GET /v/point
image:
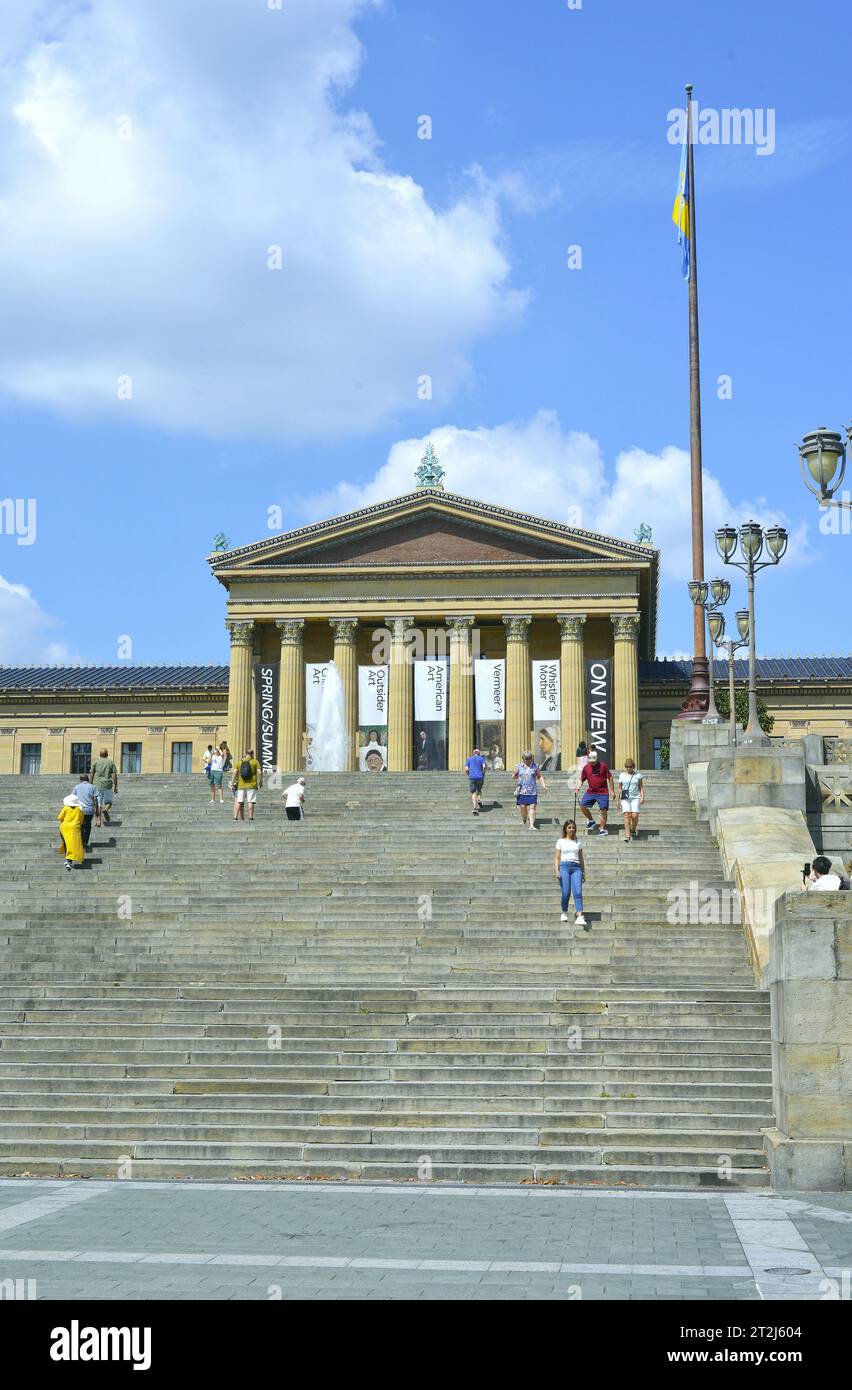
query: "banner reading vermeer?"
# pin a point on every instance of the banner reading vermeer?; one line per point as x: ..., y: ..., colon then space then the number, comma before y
x: 547, y: 732
x: 599, y: 708
x: 489, y: 678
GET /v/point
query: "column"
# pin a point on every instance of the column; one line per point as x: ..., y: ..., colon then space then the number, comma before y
x: 239, y: 687
x: 572, y: 684
x: 518, y: 687
x: 291, y: 695
x: 461, y: 691
x: 345, y: 631
x: 400, y: 697
x: 626, y: 687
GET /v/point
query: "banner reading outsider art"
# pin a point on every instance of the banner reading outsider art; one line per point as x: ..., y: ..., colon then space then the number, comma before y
x: 373, y: 718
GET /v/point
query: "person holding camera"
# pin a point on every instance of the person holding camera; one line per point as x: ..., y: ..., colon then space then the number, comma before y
x: 818, y: 877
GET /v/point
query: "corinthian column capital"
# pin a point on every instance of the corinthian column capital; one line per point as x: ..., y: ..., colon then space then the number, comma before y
x: 517, y: 627
x: 290, y: 631
x: 399, y: 627
x: 571, y: 626
x: 241, y: 630
x: 625, y: 627
x: 344, y: 630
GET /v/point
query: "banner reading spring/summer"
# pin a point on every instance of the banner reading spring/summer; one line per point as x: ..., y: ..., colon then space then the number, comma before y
x: 266, y: 691
x: 489, y: 678
x: 599, y: 708
x: 315, y: 674
x: 373, y: 718
x: 547, y: 715
x: 431, y: 690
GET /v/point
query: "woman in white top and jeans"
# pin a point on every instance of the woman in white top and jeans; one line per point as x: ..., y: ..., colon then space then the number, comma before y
x: 571, y: 871
x: 632, y: 790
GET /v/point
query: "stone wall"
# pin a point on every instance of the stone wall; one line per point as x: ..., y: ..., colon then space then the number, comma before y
x: 810, y: 982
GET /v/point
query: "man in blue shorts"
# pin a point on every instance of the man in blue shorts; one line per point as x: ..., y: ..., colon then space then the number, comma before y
x: 475, y: 769
x: 599, y: 789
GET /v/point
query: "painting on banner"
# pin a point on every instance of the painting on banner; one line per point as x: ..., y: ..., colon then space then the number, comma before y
x: 431, y: 691
x: 547, y: 715
x: 315, y: 674
x: 373, y: 718
x: 489, y: 679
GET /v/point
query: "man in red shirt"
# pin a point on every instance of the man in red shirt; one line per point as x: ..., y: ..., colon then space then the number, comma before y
x: 598, y: 778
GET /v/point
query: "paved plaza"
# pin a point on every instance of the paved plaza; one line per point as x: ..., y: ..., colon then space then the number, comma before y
x: 132, y: 1240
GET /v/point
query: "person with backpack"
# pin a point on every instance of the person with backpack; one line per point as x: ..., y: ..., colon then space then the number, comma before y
x: 248, y: 776
x: 631, y: 788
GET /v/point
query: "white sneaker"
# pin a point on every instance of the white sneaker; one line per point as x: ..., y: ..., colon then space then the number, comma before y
x: 580, y: 921
x: 564, y: 917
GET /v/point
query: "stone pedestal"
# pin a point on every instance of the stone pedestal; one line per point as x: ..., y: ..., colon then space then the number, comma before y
x: 691, y: 741
x: 810, y: 984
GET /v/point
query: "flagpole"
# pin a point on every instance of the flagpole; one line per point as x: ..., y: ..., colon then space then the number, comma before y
x: 695, y: 705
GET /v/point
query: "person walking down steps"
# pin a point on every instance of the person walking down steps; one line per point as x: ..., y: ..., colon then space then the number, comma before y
x: 570, y: 869
x: 528, y: 775
x: 71, y: 829
x: 632, y: 790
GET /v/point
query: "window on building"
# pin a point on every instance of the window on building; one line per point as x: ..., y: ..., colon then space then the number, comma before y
x: 181, y: 757
x: 81, y: 757
x: 661, y: 754
x: 131, y: 757
x: 31, y: 759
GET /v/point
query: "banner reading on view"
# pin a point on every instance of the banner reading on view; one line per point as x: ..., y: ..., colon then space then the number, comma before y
x: 599, y: 708
x: 489, y: 679
x: 315, y: 674
x: 373, y: 718
x: 266, y: 691
x: 547, y: 739
x: 431, y: 684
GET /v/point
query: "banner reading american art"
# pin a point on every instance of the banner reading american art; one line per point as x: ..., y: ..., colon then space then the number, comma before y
x: 546, y: 712
x: 373, y: 718
x: 431, y: 684
x: 489, y: 678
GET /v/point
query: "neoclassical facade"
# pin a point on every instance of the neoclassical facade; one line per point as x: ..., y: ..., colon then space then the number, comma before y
x: 431, y: 569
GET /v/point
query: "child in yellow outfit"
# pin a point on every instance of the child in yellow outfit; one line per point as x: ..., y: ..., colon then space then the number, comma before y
x: 71, y: 830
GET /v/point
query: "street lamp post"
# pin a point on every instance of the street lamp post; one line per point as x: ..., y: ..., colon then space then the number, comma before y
x: 821, y: 454
x: 720, y: 592
x: 752, y: 539
x: 716, y: 621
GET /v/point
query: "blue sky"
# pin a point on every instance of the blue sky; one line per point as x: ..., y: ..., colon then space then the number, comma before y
x: 152, y: 153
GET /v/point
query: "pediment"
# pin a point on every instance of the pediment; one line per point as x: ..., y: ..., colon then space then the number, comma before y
x: 428, y: 528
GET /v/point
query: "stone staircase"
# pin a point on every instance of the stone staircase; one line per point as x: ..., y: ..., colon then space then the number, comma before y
x: 383, y: 992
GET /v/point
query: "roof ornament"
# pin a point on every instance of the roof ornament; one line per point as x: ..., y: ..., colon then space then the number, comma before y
x: 220, y: 541
x: 430, y: 473
x: 644, y: 535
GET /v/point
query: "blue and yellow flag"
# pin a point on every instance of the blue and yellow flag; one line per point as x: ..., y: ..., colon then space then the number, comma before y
x: 680, y: 212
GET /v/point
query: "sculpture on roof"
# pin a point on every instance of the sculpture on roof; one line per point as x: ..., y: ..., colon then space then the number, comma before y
x: 430, y: 473
x: 643, y: 533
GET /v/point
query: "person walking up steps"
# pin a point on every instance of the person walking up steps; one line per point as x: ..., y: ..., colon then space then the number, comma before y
x: 294, y: 800
x: 215, y: 773
x: 71, y: 829
x: 104, y: 775
x: 248, y: 776
x: 475, y: 769
x: 598, y: 779
x: 570, y: 869
x: 85, y: 794
x: 632, y: 789
x: 528, y: 775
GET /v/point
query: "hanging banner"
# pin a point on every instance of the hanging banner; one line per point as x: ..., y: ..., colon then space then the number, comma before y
x: 266, y: 692
x: 373, y: 718
x: 431, y: 687
x: 315, y: 674
x: 599, y: 708
x: 547, y: 730
x: 489, y: 679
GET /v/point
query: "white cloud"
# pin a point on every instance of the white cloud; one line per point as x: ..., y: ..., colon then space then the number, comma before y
x: 536, y: 466
x: 26, y: 631
x: 147, y: 255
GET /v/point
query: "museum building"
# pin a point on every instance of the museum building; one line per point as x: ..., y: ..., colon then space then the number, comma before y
x: 449, y: 621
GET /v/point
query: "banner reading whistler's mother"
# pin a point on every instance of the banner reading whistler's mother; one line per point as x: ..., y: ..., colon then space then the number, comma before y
x: 547, y: 731
x: 599, y: 708
x: 489, y: 679
x: 266, y: 691
x: 431, y: 685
